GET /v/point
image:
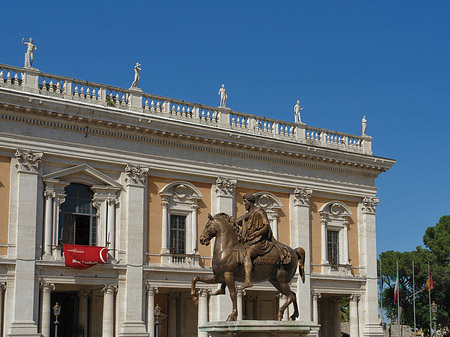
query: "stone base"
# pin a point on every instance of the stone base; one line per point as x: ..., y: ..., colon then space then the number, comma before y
x: 260, y: 328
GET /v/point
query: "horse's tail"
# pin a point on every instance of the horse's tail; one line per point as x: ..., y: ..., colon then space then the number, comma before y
x: 301, y: 262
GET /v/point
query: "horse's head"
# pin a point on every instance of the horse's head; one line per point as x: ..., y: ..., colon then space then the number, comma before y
x: 209, y: 231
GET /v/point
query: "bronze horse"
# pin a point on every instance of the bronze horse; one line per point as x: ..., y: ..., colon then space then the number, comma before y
x: 227, y: 269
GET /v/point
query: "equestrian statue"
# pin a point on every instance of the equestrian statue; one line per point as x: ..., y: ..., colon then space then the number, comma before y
x: 246, y: 250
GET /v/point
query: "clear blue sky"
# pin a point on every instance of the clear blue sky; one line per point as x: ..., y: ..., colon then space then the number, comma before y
x: 388, y: 60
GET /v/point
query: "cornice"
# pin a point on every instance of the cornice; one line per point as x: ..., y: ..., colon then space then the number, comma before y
x: 111, y: 122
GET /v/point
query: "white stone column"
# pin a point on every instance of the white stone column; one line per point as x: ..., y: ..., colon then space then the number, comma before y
x: 275, y: 226
x: 223, y: 201
x: 83, y: 310
x: 354, y: 329
x: 25, y: 309
x: 108, y: 310
x: 369, y: 261
x: 46, y: 309
x: 151, y: 292
x: 111, y: 224
x: 165, y: 224
x: 2, y: 292
x: 172, y: 315
x: 99, y: 201
x: 345, y: 257
x: 194, y: 228
x: 323, y: 234
x: 316, y: 297
x: 135, y: 219
x: 240, y: 294
x: 203, y: 309
x: 49, y: 194
x: 301, y: 237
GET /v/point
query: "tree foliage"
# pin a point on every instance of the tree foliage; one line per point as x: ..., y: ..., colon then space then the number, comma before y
x: 437, y: 253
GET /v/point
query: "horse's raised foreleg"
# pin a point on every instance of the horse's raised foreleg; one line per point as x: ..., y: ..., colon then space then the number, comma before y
x: 229, y: 280
x: 206, y: 279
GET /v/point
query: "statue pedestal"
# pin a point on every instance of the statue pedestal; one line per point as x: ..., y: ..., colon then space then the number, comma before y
x: 252, y: 328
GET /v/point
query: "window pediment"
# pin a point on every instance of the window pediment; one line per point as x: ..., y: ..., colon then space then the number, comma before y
x: 181, y: 192
x: 83, y: 174
x: 335, y: 210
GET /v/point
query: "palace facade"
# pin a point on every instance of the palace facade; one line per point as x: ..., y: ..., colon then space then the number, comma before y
x: 91, y: 164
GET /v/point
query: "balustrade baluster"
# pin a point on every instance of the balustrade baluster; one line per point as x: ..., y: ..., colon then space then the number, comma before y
x: 1, y: 76
x: 124, y: 99
x: 16, y: 79
x: 117, y: 98
x: 58, y: 87
x: 88, y: 93
x: 82, y: 91
x: 8, y: 77
x: 158, y: 106
x: 76, y: 94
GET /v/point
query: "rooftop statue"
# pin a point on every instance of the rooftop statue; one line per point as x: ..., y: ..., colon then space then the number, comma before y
x: 297, y: 110
x: 245, y: 250
x: 31, y: 48
x: 137, y: 75
x: 223, y: 96
x: 364, y: 125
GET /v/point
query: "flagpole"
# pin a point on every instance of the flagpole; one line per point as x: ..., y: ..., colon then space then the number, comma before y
x: 429, y: 296
x: 398, y: 302
x: 414, y: 300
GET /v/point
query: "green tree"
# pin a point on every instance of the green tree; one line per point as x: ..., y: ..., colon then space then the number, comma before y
x: 437, y: 253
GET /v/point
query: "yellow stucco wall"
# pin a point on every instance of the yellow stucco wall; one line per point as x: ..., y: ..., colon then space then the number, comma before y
x: 155, y: 184
x: 316, y: 241
x: 5, y: 163
x: 283, y: 213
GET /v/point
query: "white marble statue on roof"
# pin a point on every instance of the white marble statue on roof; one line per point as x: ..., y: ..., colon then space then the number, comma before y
x: 137, y: 75
x: 364, y: 125
x: 297, y: 110
x: 31, y: 48
x: 223, y: 96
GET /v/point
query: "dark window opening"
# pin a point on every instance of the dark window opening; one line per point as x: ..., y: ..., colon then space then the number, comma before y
x: 333, y: 248
x: 78, y: 220
x: 177, y: 234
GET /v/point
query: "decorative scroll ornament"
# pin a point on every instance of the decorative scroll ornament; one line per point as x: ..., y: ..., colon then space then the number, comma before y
x: 369, y: 205
x: 302, y: 196
x: 29, y: 161
x: 225, y: 186
x: 47, y: 287
x: 109, y: 289
x: 136, y: 174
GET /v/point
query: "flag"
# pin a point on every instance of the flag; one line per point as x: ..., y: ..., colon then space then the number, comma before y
x: 397, y: 288
x: 83, y: 257
x: 429, y: 284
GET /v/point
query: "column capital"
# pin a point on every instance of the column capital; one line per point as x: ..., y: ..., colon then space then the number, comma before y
x: 151, y: 290
x: 240, y: 292
x: 369, y: 205
x: 136, y: 175
x: 28, y: 161
x: 225, y: 186
x: 84, y: 293
x: 204, y: 292
x: 316, y: 296
x: 49, y: 193
x: 2, y: 285
x: 109, y: 289
x: 302, y: 196
x: 355, y: 297
x: 112, y: 199
x: 47, y: 287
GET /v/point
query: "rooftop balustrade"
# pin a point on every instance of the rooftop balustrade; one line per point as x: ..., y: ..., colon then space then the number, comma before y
x: 134, y: 100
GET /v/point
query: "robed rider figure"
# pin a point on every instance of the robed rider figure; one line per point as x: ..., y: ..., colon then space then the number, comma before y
x: 257, y: 237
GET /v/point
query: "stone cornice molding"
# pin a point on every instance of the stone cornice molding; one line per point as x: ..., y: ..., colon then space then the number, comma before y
x: 225, y: 186
x: 136, y: 175
x: 28, y: 161
x: 302, y: 196
x: 369, y: 205
x: 140, y: 125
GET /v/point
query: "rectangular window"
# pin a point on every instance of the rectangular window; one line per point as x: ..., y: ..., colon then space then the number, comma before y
x: 333, y: 247
x: 177, y: 234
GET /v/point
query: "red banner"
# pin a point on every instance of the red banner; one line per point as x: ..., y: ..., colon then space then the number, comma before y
x: 83, y: 257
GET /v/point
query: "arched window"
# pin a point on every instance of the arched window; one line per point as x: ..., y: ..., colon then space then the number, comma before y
x: 334, y: 220
x: 179, y: 218
x: 78, y: 220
